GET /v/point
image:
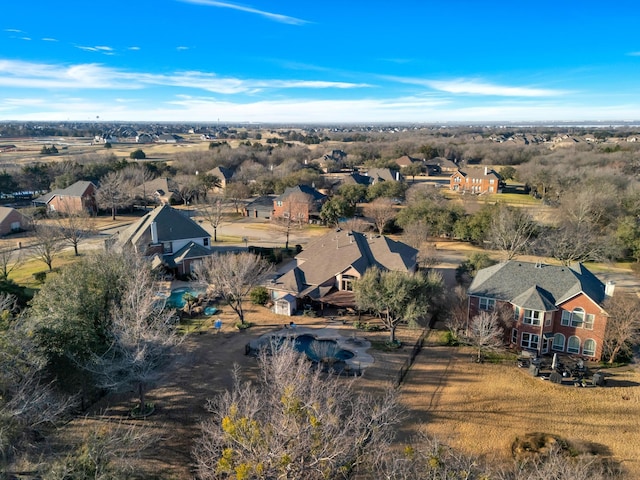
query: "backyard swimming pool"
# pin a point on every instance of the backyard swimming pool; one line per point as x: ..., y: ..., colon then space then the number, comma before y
x: 176, y: 298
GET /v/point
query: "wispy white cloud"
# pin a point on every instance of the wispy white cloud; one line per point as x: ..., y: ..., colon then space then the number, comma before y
x: 634, y: 54
x: 134, y: 48
x: 182, y: 47
x: 13, y: 30
x: 49, y: 39
x: 20, y: 74
x: 475, y: 87
x: 271, y: 16
x: 98, y: 48
x: 25, y: 38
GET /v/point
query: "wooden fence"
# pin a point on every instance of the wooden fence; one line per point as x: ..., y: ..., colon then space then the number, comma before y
x: 404, y: 369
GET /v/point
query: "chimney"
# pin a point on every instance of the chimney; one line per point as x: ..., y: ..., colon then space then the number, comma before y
x: 397, y: 176
x: 486, y: 171
x: 609, y: 288
x: 154, y: 233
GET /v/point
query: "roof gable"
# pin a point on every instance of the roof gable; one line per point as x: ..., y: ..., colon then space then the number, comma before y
x: 516, y: 281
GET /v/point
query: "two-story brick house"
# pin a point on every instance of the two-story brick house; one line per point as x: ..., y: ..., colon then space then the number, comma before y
x: 300, y: 203
x: 554, y: 308
x: 476, y: 180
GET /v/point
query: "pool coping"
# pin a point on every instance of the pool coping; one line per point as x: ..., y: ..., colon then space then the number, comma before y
x: 358, y: 346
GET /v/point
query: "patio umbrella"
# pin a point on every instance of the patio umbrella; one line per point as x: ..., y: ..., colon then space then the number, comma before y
x: 554, y: 363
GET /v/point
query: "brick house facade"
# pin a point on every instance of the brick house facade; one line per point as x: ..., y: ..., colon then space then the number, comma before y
x: 555, y: 309
x: 476, y: 180
x: 300, y: 204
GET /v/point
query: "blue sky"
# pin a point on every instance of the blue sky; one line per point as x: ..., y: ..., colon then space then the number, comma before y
x: 329, y: 61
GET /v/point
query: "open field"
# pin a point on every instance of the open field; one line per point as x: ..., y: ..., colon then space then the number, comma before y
x: 482, y: 408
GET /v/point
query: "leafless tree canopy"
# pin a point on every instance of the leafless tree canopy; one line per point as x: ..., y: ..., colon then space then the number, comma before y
x: 295, y: 422
x: 232, y: 276
x: 511, y: 230
x: 381, y: 211
x: 623, y: 325
x: 142, y: 336
x: 486, y: 332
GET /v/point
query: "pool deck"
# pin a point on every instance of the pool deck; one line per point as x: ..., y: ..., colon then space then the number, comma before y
x: 358, y: 346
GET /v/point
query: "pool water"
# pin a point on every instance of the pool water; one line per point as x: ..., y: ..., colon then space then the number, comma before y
x: 317, y: 350
x: 176, y: 299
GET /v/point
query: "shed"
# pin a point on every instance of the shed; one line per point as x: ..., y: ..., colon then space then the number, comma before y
x: 285, y: 305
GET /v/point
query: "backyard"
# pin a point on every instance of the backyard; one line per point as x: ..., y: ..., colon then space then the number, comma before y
x: 478, y: 408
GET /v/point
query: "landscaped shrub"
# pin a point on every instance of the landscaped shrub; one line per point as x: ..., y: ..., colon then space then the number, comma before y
x: 259, y: 296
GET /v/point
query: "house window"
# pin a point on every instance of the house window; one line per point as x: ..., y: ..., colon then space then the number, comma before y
x: 205, y: 242
x: 285, y: 214
x: 516, y: 314
x: 490, y: 189
x: 486, y: 303
x: 558, y: 342
x: 278, y: 203
x: 167, y: 247
x: 566, y: 318
x: 588, y: 322
x: 573, y: 345
x: 514, y: 336
x: 347, y: 283
x: 492, y: 181
x: 532, y: 317
x: 577, y: 317
x: 548, y: 316
x: 529, y: 341
x: 589, y: 348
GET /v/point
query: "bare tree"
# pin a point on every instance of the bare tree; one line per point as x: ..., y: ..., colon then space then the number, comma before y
x: 295, y: 213
x: 623, y: 325
x: 294, y: 422
x: 236, y: 192
x: 212, y: 208
x: 136, y: 177
x: 142, y: 337
x: 108, y: 450
x: 188, y: 187
x: 114, y: 191
x: 10, y: 260
x: 48, y: 243
x: 511, y: 230
x: 74, y: 226
x: 232, y: 276
x: 458, y: 315
x: 381, y: 211
x: 486, y: 332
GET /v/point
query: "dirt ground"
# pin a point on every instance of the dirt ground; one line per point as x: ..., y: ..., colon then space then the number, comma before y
x: 203, y: 368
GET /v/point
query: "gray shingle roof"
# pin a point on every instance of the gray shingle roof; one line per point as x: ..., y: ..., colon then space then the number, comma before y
x: 171, y: 225
x: 537, y: 286
x: 305, y: 189
x: 78, y: 189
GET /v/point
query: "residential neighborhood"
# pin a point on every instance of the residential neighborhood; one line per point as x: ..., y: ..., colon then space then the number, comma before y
x: 162, y: 274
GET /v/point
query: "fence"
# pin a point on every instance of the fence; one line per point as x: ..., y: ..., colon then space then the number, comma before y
x: 404, y: 369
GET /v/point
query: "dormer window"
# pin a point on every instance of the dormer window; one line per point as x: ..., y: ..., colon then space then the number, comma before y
x: 205, y: 241
x: 532, y: 317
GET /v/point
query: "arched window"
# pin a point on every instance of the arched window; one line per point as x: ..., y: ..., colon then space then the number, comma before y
x: 558, y: 342
x: 573, y: 345
x: 589, y: 348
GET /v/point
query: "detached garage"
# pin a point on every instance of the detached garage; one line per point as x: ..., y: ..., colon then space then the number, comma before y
x: 285, y: 305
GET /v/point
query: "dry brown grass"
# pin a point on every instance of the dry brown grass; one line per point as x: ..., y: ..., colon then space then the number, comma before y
x: 483, y: 408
